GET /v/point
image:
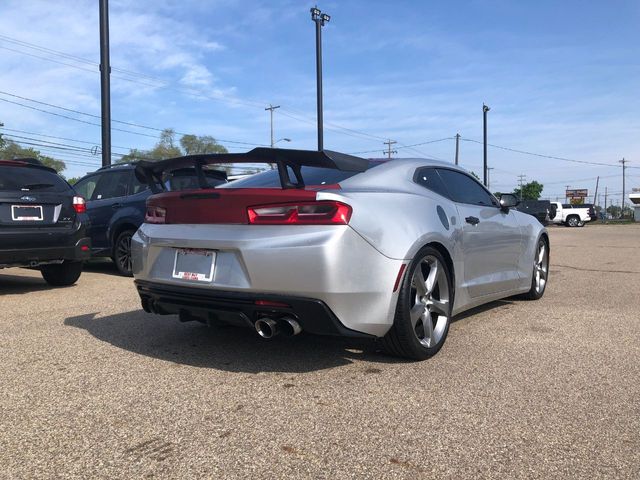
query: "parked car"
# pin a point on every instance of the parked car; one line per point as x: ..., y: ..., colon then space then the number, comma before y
x: 42, y: 222
x: 334, y: 244
x: 116, y: 203
x: 573, y: 215
x: 543, y: 210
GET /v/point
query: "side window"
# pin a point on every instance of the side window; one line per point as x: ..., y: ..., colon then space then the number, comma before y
x: 111, y: 185
x: 464, y: 189
x: 87, y: 186
x: 428, y: 177
x: 135, y: 186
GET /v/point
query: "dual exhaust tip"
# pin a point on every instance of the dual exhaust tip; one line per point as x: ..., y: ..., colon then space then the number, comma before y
x: 269, y: 327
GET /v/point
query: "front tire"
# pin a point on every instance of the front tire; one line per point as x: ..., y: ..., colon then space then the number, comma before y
x: 63, y: 274
x: 540, y: 271
x: 122, y: 253
x: 423, y: 313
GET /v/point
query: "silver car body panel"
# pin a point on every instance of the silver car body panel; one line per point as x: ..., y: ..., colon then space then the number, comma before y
x: 353, y: 268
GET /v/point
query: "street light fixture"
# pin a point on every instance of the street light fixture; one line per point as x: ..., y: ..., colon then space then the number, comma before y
x: 282, y: 140
x: 320, y: 19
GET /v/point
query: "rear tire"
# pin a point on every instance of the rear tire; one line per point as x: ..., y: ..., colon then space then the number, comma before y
x: 122, y: 253
x: 423, y: 312
x: 63, y: 274
x: 540, y: 271
x: 573, y: 221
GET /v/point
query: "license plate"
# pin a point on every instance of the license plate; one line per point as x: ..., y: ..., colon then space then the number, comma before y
x: 21, y: 213
x: 192, y: 264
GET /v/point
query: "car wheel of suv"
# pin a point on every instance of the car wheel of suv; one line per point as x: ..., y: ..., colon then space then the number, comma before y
x: 423, y: 312
x: 62, y: 274
x: 540, y: 271
x: 122, y: 253
x: 573, y: 221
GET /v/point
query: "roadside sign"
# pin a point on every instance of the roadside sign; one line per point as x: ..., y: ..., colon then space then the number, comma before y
x: 577, y: 193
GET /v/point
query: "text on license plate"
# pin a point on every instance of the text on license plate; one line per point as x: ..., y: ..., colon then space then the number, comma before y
x: 194, y: 264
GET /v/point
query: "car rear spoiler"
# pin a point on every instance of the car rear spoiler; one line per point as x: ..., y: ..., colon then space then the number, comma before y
x: 285, y: 159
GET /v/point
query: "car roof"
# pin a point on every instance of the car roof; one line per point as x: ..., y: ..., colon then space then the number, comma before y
x: 27, y: 163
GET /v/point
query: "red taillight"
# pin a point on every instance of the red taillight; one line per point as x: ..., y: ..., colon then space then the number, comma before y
x: 79, y: 205
x: 271, y: 303
x: 302, y: 213
x: 155, y: 215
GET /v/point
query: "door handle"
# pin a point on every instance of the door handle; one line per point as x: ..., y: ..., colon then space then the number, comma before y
x: 116, y: 206
x: 472, y: 220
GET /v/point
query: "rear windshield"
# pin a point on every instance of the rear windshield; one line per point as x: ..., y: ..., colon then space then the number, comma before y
x: 312, y: 176
x: 13, y: 178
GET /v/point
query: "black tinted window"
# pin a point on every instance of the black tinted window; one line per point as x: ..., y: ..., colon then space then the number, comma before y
x: 464, y: 189
x: 428, y: 177
x: 135, y: 186
x: 111, y: 185
x: 311, y: 175
x: 30, y: 179
x: 86, y: 186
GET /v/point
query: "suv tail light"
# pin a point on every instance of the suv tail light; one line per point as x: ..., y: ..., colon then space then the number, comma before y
x: 155, y: 215
x: 79, y: 205
x: 301, y: 213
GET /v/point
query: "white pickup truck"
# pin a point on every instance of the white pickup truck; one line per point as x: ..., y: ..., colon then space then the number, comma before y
x: 573, y: 215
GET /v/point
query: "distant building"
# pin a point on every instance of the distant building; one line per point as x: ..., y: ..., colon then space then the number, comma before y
x: 635, y: 199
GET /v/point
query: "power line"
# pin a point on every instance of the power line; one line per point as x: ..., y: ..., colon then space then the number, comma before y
x: 163, y: 83
x: 540, y: 155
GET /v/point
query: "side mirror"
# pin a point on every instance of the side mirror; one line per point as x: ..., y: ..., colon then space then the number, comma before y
x: 508, y: 200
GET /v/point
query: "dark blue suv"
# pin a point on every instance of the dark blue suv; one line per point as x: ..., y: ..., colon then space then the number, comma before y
x: 116, y: 204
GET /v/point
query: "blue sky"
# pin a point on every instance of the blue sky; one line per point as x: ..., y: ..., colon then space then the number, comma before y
x: 561, y: 78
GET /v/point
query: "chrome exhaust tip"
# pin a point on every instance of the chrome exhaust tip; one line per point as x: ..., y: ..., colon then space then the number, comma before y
x: 266, y: 327
x: 290, y: 326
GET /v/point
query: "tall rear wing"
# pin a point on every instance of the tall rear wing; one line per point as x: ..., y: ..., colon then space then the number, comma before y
x: 151, y: 172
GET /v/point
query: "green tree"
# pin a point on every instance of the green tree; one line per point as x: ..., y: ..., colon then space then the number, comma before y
x: 194, y: 145
x: 167, y: 148
x: 10, y: 150
x: 530, y: 191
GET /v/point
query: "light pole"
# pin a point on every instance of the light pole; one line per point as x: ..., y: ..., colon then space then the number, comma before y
x: 271, y: 108
x: 105, y: 85
x: 485, y: 109
x: 320, y: 19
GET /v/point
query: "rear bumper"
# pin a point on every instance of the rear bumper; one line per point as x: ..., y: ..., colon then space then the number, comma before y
x: 32, y: 257
x: 240, y: 308
x: 332, y: 265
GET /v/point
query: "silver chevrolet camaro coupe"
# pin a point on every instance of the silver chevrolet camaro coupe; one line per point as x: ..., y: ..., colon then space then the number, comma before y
x: 328, y: 243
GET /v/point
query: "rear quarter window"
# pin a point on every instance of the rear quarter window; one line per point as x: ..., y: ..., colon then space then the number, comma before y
x: 13, y: 178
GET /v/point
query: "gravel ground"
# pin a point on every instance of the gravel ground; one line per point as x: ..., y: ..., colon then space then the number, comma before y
x: 93, y: 387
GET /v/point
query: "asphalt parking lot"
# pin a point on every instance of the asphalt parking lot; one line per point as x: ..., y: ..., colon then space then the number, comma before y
x: 93, y: 387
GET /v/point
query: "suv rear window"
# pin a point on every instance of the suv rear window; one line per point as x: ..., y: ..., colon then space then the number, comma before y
x: 14, y: 178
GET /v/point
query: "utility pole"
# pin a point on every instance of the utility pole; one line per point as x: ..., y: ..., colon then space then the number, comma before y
x: 596, y: 194
x: 605, y: 203
x: 623, y: 162
x: 489, y: 177
x: 485, y: 109
x: 389, y: 151
x: 457, y: 146
x: 521, y: 179
x: 105, y: 85
x: 271, y: 108
x: 320, y: 19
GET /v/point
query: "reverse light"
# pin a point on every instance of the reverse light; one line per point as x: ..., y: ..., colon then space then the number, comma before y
x: 301, y: 213
x: 79, y: 205
x: 155, y: 215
